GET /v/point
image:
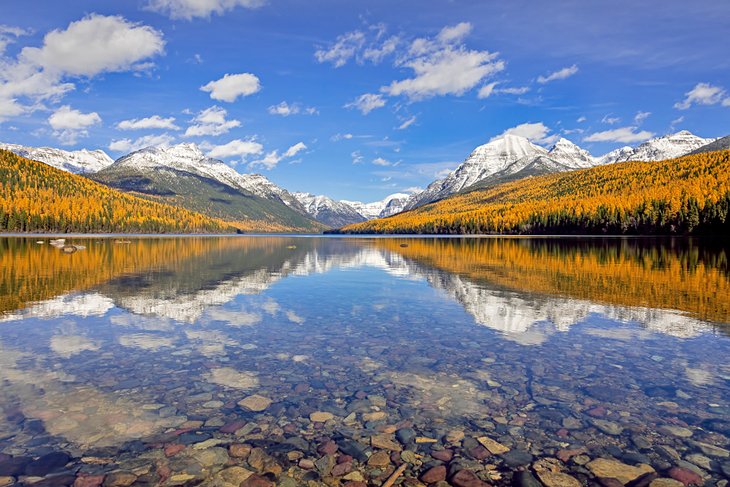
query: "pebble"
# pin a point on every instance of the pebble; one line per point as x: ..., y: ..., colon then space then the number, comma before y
x: 664, y: 482
x: 321, y: 417
x: 239, y: 450
x: 557, y: 479
x: 255, y: 403
x: 608, y: 427
x: 516, y: 458
x: 375, y: 416
x: 676, y: 431
x: 256, y: 481
x: 405, y: 435
x: 88, y: 480
x: 699, y: 460
x: 52, y: 462
x: 494, y: 447
x: 5, y: 481
x: 604, y: 467
x: 686, y: 476
x: 712, y: 450
x: 384, y: 442
x: 467, y: 478
x: 120, y: 479
x: 434, y: 474
x: 525, y: 479
x: 231, y: 476
x: 379, y: 459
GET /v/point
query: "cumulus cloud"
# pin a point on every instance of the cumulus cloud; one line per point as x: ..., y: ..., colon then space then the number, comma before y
x: 153, y: 122
x: 624, y: 134
x: 367, y: 103
x: 211, y: 121
x: 273, y: 158
x: 129, y: 145
x: 559, y: 74
x: 357, y: 157
x: 538, y: 133
x: 236, y: 148
x: 190, y: 9
x: 443, y: 66
x: 88, y: 47
x: 69, y: 124
x: 703, y: 94
x: 284, y: 109
x: 232, y: 86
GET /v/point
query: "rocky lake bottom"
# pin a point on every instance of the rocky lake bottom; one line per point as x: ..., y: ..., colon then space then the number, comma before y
x: 263, y: 361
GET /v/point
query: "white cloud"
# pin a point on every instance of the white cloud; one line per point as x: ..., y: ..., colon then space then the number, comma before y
x: 487, y: 90
x: 610, y: 120
x: 367, y: 103
x: 677, y: 121
x: 443, y: 66
x: 534, y: 132
x: 8, y: 35
x: 640, y: 117
x: 129, y: 145
x: 69, y: 124
x: 231, y: 86
x: 514, y: 90
x: 407, y: 123
x: 284, y: 109
x: 703, y: 94
x: 236, y: 148
x: 412, y: 189
x: 211, y: 121
x: 153, y: 122
x: 189, y: 9
x: 376, y: 54
x: 379, y: 161
x: 581, y: 119
x: 342, y: 50
x: 295, y: 149
x: 88, y: 47
x: 338, y: 137
x: 624, y: 134
x: 559, y: 74
x: 273, y: 158
x: 96, y: 44
x: 357, y: 157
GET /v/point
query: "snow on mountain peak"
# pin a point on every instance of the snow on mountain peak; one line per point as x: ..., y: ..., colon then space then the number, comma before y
x: 78, y: 162
x: 569, y: 154
x: 659, y: 148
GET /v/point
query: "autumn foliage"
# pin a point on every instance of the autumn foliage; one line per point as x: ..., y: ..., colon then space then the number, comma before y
x: 35, y: 197
x: 669, y: 274
x: 687, y: 195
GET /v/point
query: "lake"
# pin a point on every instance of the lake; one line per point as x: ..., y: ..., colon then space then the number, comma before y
x: 227, y: 361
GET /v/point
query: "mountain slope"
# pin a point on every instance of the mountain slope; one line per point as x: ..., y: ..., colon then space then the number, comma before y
x: 690, y: 194
x: 78, y: 162
x: 717, y: 145
x: 183, y: 176
x: 658, y: 149
x: 37, y: 197
x: 328, y: 211
x: 390, y: 205
x: 484, y: 161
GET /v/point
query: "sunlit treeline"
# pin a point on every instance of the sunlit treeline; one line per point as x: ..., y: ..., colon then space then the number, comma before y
x: 688, y: 195
x: 35, y: 197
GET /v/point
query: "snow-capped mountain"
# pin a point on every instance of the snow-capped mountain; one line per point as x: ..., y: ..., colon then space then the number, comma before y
x: 328, y: 211
x: 513, y: 157
x: 189, y: 158
x: 390, y: 205
x: 79, y: 162
x: 659, y: 148
x: 483, y: 162
x: 719, y: 144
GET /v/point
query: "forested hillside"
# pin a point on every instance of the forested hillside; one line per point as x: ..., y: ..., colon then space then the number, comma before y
x: 687, y: 195
x: 35, y: 197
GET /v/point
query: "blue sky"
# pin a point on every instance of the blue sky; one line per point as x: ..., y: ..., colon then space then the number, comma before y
x: 358, y: 99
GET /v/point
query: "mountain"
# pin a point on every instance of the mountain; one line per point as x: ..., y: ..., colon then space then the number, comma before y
x: 686, y: 195
x: 78, y: 162
x: 184, y: 176
x: 718, y: 144
x: 328, y: 211
x: 483, y: 162
x: 658, y: 149
x: 512, y: 157
x: 36, y: 197
x: 390, y: 205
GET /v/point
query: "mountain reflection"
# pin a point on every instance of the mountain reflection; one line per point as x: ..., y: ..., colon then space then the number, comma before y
x: 523, y: 288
